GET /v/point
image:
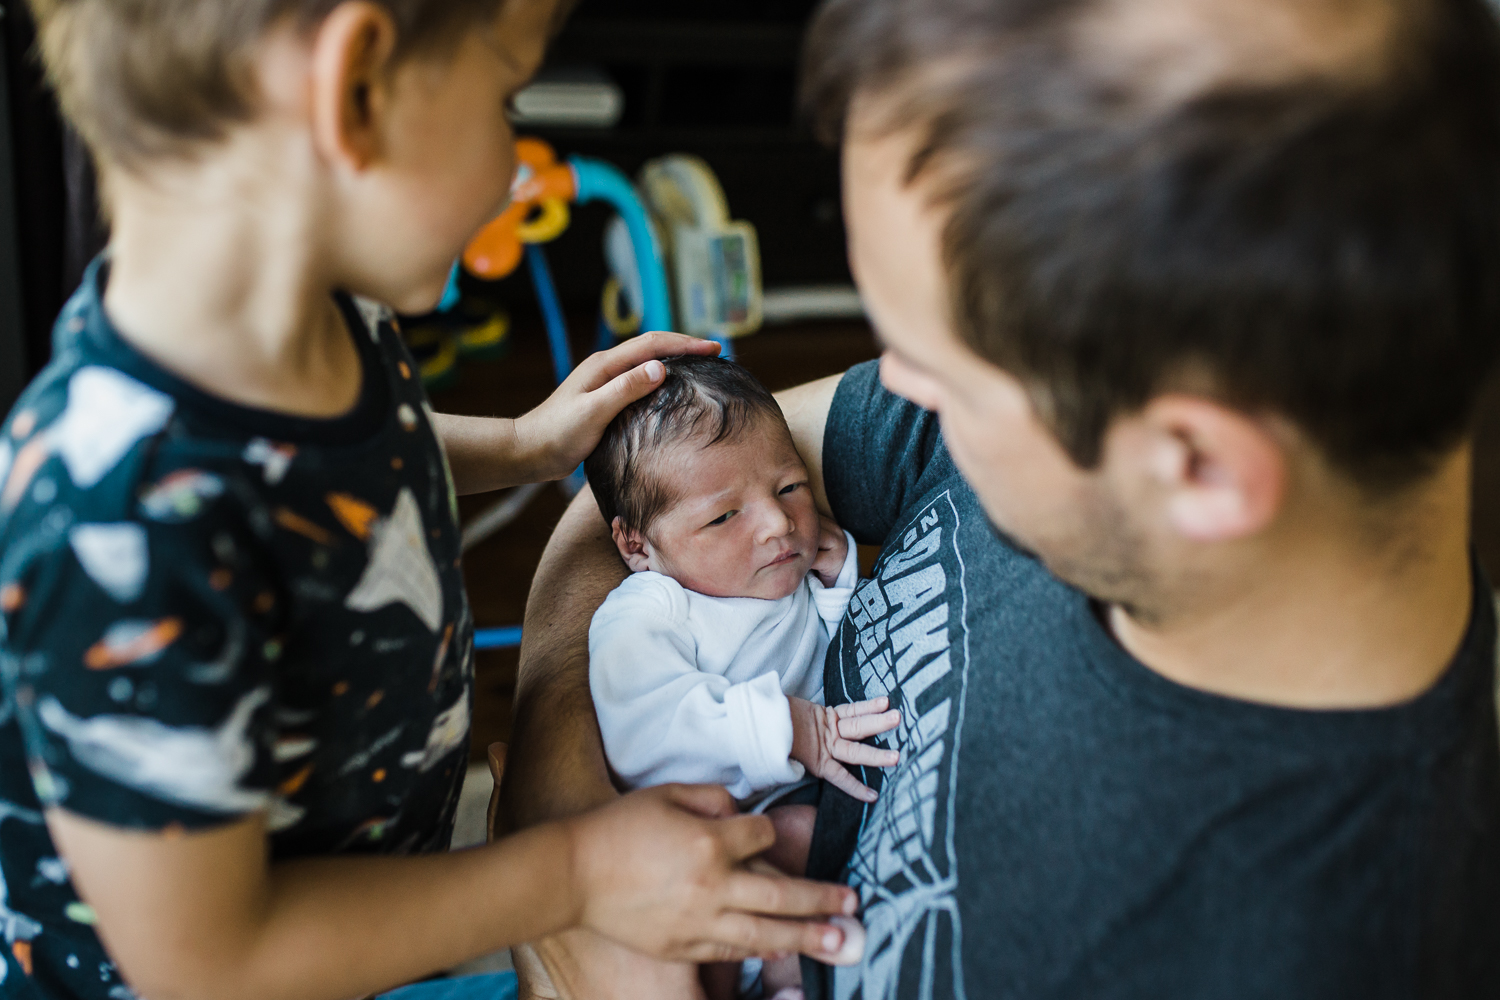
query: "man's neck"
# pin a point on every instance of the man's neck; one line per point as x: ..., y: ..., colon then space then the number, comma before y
x: 1338, y: 619
x: 227, y: 286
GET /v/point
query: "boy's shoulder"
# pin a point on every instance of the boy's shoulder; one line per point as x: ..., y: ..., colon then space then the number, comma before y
x: 105, y: 436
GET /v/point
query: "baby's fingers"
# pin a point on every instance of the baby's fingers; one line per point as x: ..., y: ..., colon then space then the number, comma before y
x: 864, y: 726
x: 857, y: 708
x: 863, y: 753
x: 847, y: 783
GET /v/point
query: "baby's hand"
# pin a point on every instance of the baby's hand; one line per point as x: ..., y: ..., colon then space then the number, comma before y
x: 561, y: 432
x: 833, y: 549
x: 821, y: 737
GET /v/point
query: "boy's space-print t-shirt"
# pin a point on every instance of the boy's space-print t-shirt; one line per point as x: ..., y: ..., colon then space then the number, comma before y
x: 208, y: 611
x: 1064, y: 822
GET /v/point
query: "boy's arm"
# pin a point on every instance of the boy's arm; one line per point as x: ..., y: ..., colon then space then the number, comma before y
x: 489, y: 453
x: 204, y: 914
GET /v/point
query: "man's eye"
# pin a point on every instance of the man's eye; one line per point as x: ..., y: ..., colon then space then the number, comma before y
x: 787, y: 489
x: 721, y: 518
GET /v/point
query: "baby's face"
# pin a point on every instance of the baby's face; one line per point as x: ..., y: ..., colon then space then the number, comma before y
x: 744, y: 524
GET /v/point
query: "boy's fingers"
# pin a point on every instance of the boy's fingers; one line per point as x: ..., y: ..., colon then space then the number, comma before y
x: 746, y: 836
x: 749, y: 935
x: 863, y: 753
x: 861, y: 726
x: 708, y: 801
x: 738, y: 936
x: 680, y: 343
x: 625, y: 389
x: 602, y: 367
x: 780, y: 895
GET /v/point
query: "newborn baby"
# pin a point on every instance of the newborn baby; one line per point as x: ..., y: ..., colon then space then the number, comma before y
x: 706, y: 664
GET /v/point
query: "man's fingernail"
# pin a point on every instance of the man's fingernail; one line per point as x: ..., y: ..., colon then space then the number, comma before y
x: 832, y: 940
x: 850, y: 904
x: 654, y: 370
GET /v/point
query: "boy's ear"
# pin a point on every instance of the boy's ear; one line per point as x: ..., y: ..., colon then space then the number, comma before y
x: 632, y: 546
x: 351, y: 62
x: 1223, y: 471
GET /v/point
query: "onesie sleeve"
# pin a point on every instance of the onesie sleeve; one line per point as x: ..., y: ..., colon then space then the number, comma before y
x: 831, y: 601
x: 662, y: 718
x: 137, y: 636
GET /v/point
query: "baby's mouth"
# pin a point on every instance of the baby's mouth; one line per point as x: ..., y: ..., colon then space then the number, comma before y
x: 782, y: 559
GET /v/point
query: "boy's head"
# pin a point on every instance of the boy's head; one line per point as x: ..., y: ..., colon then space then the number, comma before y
x: 382, y: 123
x: 700, y: 481
x: 1168, y: 269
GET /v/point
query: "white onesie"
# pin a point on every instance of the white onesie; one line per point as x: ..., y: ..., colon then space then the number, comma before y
x: 694, y: 688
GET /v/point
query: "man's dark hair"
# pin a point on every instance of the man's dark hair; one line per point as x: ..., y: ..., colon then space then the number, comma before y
x: 709, y: 399
x: 1311, y: 228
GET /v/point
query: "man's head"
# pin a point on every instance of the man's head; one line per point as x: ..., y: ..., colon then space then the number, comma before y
x: 1161, y: 266
x: 381, y: 123
x: 700, y: 481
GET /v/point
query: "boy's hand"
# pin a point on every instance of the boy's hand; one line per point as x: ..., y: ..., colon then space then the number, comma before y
x: 663, y: 871
x: 833, y: 549
x: 821, y: 737
x: 560, y: 433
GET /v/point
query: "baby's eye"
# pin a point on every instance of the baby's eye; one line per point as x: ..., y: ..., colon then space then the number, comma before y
x: 721, y: 518
x: 787, y: 489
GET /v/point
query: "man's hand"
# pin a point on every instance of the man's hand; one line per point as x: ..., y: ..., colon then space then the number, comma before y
x: 822, y: 736
x: 561, y: 432
x: 833, y: 549
x: 662, y: 871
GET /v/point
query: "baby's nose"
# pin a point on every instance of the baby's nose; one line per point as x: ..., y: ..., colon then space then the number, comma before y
x: 778, y: 523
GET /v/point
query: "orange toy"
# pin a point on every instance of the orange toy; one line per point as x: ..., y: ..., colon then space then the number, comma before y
x: 538, y: 211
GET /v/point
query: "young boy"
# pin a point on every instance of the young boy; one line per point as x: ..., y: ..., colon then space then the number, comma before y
x: 706, y: 664
x: 234, y: 641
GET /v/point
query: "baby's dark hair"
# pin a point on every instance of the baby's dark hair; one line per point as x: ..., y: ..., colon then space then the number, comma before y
x: 708, y: 398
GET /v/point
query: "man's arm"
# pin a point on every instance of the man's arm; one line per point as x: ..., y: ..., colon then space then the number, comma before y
x: 806, y: 408
x: 556, y: 765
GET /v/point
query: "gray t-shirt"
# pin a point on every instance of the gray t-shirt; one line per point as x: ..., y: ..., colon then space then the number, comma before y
x: 1066, y: 822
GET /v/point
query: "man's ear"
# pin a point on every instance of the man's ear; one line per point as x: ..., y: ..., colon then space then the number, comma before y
x: 1223, y: 471
x: 632, y: 546
x: 351, y: 62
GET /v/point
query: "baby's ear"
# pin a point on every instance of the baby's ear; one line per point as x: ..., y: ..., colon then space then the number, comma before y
x: 632, y: 546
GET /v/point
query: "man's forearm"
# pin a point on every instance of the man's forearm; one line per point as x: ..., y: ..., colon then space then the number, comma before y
x: 556, y: 765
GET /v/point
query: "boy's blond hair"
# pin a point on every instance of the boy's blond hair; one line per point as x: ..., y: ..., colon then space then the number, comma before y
x: 146, y: 78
